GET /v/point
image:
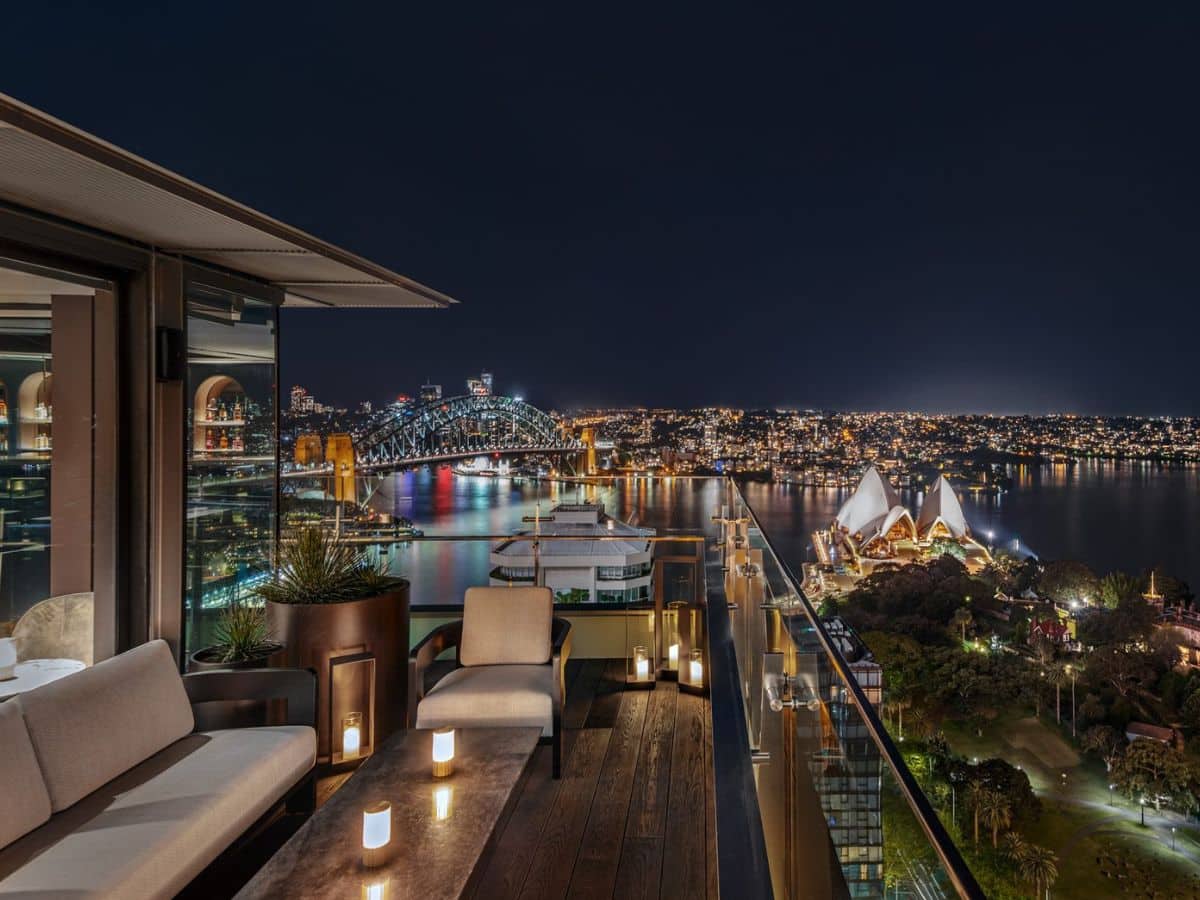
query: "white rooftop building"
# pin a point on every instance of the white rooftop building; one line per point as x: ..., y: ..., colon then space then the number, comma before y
x: 941, y: 514
x: 616, y: 567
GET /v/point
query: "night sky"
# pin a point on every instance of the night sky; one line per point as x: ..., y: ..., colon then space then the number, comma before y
x: 902, y: 206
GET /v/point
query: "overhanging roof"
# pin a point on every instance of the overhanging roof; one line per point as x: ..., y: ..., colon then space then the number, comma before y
x: 50, y: 166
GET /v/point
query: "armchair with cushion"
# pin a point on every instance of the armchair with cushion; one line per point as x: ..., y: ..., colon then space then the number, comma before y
x: 509, y: 669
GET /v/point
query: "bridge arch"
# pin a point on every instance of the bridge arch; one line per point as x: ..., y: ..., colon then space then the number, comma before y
x: 462, y: 426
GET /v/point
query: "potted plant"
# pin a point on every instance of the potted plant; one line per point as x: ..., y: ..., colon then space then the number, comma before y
x: 329, y: 601
x: 243, y: 641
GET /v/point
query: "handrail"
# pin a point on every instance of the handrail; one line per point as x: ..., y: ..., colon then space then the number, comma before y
x: 743, y: 867
x: 956, y: 867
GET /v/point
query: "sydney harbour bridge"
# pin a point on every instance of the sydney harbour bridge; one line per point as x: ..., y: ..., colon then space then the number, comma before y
x: 458, y: 428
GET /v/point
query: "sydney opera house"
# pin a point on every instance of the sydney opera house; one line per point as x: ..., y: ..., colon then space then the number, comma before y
x: 874, y: 526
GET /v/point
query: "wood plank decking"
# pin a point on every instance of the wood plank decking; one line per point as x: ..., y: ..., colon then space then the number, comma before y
x: 632, y: 815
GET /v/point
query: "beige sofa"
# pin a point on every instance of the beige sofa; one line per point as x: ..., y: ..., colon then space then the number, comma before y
x: 109, y: 791
x: 511, y: 662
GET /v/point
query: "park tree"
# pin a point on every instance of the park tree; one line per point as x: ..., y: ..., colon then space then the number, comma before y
x: 1057, y: 675
x: 1191, y: 710
x: 1039, y: 866
x: 1105, y: 742
x: 1092, y: 708
x: 1175, y: 592
x: 997, y: 814
x: 962, y: 620
x: 1157, y: 772
x: 1116, y: 587
x: 1068, y: 581
x: 1119, y: 668
x: 828, y: 608
x: 946, y: 547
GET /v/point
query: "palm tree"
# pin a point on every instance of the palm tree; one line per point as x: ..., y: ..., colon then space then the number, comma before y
x: 997, y: 814
x: 962, y: 619
x: 977, y: 793
x: 1039, y: 865
x: 1058, y: 677
x: 1014, y: 846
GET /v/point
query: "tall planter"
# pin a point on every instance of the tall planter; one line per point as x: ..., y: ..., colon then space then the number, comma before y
x: 313, y: 634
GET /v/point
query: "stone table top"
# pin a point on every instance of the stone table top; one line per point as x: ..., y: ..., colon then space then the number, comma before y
x: 429, y: 857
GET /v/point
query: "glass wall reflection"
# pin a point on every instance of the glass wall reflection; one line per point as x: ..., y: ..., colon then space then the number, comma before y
x: 232, y: 442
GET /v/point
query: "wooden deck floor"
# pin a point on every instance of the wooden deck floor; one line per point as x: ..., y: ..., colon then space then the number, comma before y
x: 632, y: 815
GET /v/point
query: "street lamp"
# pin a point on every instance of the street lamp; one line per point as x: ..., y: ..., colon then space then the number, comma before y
x: 1172, y: 838
x: 1143, y: 805
x: 1110, y: 797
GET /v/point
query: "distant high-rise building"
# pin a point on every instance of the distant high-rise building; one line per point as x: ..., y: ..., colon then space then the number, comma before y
x: 486, y: 378
x: 431, y: 393
x: 365, y: 407
x: 297, y: 399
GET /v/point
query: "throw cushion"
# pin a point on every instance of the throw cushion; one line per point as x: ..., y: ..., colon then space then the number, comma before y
x: 506, y: 626
x: 89, y: 727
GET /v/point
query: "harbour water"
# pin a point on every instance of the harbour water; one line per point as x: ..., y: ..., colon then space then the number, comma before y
x: 1128, y: 516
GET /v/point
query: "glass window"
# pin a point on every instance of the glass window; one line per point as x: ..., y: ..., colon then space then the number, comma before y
x: 231, y: 446
x: 52, y: 370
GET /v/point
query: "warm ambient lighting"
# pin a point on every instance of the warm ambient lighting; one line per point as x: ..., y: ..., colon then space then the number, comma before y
x: 441, y: 802
x: 352, y: 736
x: 673, y: 656
x: 377, y: 832
x: 375, y: 890
x: 641, y: 664
x: 697, y: 668
x: 443, y: 752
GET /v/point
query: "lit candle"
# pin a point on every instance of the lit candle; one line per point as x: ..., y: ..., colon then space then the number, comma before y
x: 441, y: 802
x: 641, y: 664
x: 377, y: 832
x: 673, y: 656
x: 443, y: 752
x: 375, y: 890
x: 352, y: 736
x: 697, y: 670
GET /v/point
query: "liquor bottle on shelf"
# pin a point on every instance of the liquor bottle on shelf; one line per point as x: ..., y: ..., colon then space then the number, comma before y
x: 224, y: 439
x: 238, y: 446
x: 40, y: 412
x: 208, y: 439
x: 237, y: 409
x: 210, y: 410
x: 222, y: 411
x: 3, y: 411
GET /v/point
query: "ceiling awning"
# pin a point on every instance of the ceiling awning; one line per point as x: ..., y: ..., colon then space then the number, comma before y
x: 52, y: 167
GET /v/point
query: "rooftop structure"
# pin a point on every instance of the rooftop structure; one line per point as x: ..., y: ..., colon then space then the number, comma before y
x: 614, y: 568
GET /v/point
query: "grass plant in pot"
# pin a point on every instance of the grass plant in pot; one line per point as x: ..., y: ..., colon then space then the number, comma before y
x: 243, y: 641
x: 328, y: 600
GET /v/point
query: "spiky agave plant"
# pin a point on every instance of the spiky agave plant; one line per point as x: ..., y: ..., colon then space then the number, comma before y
x: 242, y: 633
x: 315, y: 567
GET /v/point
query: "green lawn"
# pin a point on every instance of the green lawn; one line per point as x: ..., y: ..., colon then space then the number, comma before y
x: 1103, y: 850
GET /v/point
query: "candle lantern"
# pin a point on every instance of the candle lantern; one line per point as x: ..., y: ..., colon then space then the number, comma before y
x: 375, y: 890
x: 693, y: 674
x: 641, y: 670
x: 443, y: 752
x: 376, y: 833
x: 351, y: 736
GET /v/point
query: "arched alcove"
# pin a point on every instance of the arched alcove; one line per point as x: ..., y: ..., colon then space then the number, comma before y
x: 210, y: 395
x: 35, y: 410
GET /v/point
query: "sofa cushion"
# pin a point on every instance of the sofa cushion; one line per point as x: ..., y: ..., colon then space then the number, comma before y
x: 152, y: 830
x: 26, y: 804
x: 491, y: 697
x: 506, y: 626
x: 90, y: 727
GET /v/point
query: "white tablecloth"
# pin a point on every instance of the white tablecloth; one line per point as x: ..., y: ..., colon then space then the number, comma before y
x: 36, y: 672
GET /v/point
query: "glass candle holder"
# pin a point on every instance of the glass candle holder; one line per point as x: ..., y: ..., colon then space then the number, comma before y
x: 352, y: 736
x: 443, y: 752
x: 375, y: 890
x: 696, y: 668
x: 673, y: 654
x: 377, y: 832
x: 641, y: 664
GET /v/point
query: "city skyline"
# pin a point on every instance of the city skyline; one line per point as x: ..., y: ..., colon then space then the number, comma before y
x: 924, y: 211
